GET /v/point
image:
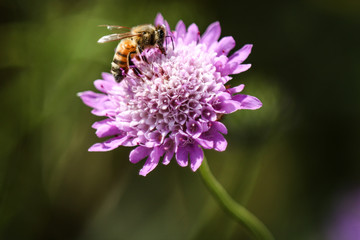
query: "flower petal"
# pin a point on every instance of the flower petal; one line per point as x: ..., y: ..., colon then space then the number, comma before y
x: 229, y: 68
x: 247, y: 102
x: 102, y: 112
x: 219, y: 126
x: 230, y: 106
x: 180, y: 29
x: 192, y: 34
x: 225, y: 45
x: 152, y: 161
x: 108, y: 145
x: 104, y: 86
x: 139, y: 153
x: 108, y: 77
x: 196, y: 157
x: 193, y: 128
x: 106, y: 128
x: 236, y: 89
x: 213, y: 138
x: 227, y: 106
x: 204, y: 142
x: 169, y: 148
x: 100, y: 102
x: 241, y: 68
x: 182, y: 156
x: 240, y: 55
x: 220, y: 143
x: 207, y: 113
x: 92, y: 99
x: 182, y: 148
x: 211, y: 34
x: 220, y: 63
x: 159, y: 19
x: 130, y: 142
x: 168, y: 29
x: 167, y: 157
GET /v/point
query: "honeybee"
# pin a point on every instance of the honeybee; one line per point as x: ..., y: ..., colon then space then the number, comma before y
x: 132, y: 44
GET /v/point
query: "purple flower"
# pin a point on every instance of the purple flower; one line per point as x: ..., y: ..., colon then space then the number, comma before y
x: 174, y: 109
x: 345, y: 224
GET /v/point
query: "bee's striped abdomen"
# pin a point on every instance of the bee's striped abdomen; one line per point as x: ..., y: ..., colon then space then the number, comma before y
x: 120, y: 65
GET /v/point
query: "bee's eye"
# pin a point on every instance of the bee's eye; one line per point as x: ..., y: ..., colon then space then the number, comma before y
x: 161, y: 33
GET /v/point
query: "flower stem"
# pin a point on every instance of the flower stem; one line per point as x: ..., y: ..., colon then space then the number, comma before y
x: 251, y: 223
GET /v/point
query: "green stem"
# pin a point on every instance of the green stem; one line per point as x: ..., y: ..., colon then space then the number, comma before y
x: 251, y: 223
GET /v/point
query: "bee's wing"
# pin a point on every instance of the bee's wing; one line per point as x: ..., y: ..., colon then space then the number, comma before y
x: 116, y: 37
x: 111, y: 27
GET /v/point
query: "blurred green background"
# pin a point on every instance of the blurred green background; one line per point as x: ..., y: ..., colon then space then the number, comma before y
x: 289, y: 162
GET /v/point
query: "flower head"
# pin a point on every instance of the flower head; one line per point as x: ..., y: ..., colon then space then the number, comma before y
x: 345, y: 222
x: 174, y: 109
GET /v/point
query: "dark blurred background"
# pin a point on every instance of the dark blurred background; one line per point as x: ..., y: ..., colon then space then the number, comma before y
x: 290, y: 163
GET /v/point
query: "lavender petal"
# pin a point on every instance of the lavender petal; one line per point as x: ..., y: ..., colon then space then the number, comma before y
x: 225, y: 45
x: 192, y: 34
x: 240, y: 55
x: 241, y: 68
x: 248, y: 102
x: 159, y: 20
x: 180, y: 29
x: 196, y: 157
x: 152, y: 161
x: 108, y: 145
x: 139, y: 153
x: 212, y: 34
x: 106, y: 128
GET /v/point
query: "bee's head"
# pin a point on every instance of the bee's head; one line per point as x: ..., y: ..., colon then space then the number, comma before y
x: 160, y: 36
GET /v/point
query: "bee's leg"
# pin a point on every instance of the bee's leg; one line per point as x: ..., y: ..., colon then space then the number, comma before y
x: 172, y: 41
x: 132, y: 65
x: 143, y: 57
x: 137, y: 72
x: 119, y: 77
